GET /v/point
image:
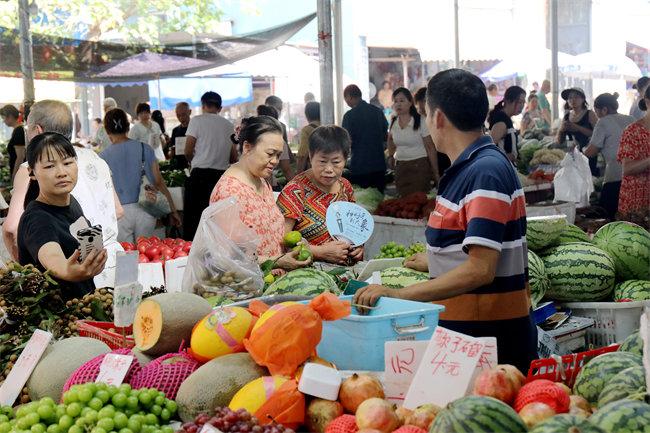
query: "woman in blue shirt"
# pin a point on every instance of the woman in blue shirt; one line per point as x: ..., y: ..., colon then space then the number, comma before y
x: 127, y: 158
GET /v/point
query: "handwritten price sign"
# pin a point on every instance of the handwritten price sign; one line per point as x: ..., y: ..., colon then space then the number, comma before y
x: 114, y: 368
x: 126, y: 299
x: 350, y: 222
x: 446, y: 369
x: 402, y: 360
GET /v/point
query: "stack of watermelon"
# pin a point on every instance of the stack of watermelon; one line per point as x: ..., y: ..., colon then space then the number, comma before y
x: 308, y: 282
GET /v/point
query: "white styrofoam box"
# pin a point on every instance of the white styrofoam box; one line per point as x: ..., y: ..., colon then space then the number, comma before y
x: 320, y: 381
x: 549, y: 209
x: 402, y: 231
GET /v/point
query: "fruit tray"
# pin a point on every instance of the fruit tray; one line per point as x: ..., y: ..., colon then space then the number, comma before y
x: 107, y: 332
x: 567, y: 368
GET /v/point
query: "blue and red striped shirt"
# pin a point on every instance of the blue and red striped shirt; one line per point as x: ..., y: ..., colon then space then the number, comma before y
x: 481, y: 202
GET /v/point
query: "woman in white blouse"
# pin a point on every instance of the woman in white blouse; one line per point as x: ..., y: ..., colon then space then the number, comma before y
x: 410, y: 148
x: 147, y: 131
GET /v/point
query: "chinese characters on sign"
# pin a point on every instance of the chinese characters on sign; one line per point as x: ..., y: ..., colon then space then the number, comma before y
x: 402, y: 359
x: 125, y: 301
x: 24, y: 366
x: 350, y: 222
x: 446, y: 369
x: 114, y: 368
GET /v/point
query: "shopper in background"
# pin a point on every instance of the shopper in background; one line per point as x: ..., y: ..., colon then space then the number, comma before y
x: 101, y: 140
x: 157, y: 117
x: 634, y: 155
x: 287, y: 156
x: 533, y: 118
x: 544, y: 105
x: 640, y: 86
x: 492, y: 95
x: 147, y: 131
x: 16, y: 144
x: 94, y: 189
x: 309, y: 97
x: 367, y: 127
x: 48, y: 227
x: 261, y: 144
x: 502, y: 130
x: 312, y: 113
x: 304, y: 201
x: 177, y: 140
x: 385, y: 95
x: 128, y: 158
x: 410, y: 148
x: 606, y: 138
x: 578, y: 124
x: 420, y: 98
x: 476, y: 254
x: 209, y: 151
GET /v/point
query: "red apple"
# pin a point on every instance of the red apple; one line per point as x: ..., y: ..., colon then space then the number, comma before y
x: 187, y: 247
x: 141, y: 239
x: 142, y: 247
x: 181, y: 253
x: 152, y: 252
x: 154, y: 239
x: 165, y: 250
x: 143, y: 259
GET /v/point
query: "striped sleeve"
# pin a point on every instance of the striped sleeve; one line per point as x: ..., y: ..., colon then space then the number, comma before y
x: 290, y: 201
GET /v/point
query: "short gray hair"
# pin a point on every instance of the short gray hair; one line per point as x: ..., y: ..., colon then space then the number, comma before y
x: 51, y: 116
x: 110, y: 102
x: 183, y: 104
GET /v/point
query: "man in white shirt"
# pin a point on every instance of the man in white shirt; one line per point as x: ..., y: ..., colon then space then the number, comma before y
x: 287, y: 155
x: 209, y: 151
x: 640, y: 86
x: 101, y: 140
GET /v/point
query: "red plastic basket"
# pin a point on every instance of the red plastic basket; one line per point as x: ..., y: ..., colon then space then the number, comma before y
x: 568, y: 370
x: 122, y: 339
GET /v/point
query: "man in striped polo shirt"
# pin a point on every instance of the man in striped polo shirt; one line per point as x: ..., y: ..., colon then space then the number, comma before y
x: 476, y: 236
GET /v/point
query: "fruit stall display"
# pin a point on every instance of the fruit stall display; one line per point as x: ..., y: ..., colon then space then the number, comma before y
x: 156, y: 250
x: 414, y: 206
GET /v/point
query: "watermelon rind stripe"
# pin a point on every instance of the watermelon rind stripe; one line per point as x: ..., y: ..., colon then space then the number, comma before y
x: 633, y: 290
x: 629, y: 246
x: 594, y: 375
x: 623, y: 416
x: 629, y: 383
x: 477, y: 415
x: 305, y: 282
x: 566, y: 423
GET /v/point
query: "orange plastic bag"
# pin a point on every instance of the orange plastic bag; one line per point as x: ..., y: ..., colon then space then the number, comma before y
x: 286, y: 406
x: 285, y: 341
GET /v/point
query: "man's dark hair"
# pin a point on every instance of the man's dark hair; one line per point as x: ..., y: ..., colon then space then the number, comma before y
x: 9, y: 111
x: 461, y: 95
x: 274, y: 101
x: 329, y: 139
x: 312, y: 111
x: 211, y: 99
x: 492, y: 87
x: 267, y: 110
x: 352, y: 91
x: 420, y: 95
x: 142, y: 107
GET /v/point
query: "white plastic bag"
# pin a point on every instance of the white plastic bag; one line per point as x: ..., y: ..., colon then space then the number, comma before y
x: 222, y: 261
x: 573, y: 182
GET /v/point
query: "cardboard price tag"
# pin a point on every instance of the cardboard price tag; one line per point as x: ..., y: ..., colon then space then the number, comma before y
x: 25, y: 364
x: 446, y: 369
x: 126, y: 299
x: 349, y: 222
x: 402, y: 360
x: 486, y: 361
x: 113, y: 369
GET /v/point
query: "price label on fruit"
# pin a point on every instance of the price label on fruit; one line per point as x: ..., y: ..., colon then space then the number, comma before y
x: 24, y: 366
x: 125, y: 301
x: 113, y: 369
x: 349, y: 222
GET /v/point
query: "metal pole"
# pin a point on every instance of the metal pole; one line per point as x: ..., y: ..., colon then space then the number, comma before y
x: 324, y: 13
x: 405, y: 70
x: 456, y: 37
x: 26, y: 54
x: 555, y: 76
x: 338, y: 59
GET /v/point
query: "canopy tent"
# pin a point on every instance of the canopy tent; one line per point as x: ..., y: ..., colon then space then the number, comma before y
x: 86, y: 61
x: 524, y: 64
x: 597, y: 65
x: 164, y: 94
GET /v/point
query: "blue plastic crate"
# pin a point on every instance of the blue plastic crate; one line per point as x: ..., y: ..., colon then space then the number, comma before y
x: 357, y: 342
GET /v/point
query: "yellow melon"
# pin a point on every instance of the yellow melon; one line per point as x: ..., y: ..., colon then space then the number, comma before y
x: 271, y: 311
x: 254, y: 394
x: 221, y: 332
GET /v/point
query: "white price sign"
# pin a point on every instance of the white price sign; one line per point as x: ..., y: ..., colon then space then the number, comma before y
x: 113, y: 369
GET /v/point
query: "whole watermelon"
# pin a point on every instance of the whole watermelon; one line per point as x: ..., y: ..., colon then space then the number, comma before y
x: 544, y: 231
x: 623, y: 416
x: 399, y: 277
x: 629, y: 383
x: 597, y: 372
x: 629, y: 246
x: 537, y: 279
x: 579, y: 271
x: 632, y: 290
x: 573, y: 233
x: 633, y: 344
x: 566, y: 423
x: 303, y: 282
x: 475, y: 414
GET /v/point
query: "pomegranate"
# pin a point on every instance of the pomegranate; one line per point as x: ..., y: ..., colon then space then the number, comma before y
x: 378, y: 414
x: 579, y: 402
x: 496, y: 383
x: 516, y: 376
x: 534, y: 413
x: 410, y: 429
x: 369, y: 430
x: 577, y: 411
x: 564, y: 388
x: 423, y: 416
x: 358, y: 388
x: 403, y: 413
x: 320, y: 413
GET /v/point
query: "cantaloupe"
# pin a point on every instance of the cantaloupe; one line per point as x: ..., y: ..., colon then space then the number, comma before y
x: 215, y: 384
x: 59, y: 361
x: 162, y: 322
x: 254, y: 394
x: 221, y: 332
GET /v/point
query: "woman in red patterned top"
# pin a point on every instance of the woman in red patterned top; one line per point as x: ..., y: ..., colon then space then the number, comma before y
x: 304, y: 200
x: 634, y: 155
x: 261, y: 144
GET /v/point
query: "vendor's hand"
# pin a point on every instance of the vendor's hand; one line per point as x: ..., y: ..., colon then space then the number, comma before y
x: 332, y: 252
x: 356, y: 254
x: 278, y: 272
x: 175, y: 219
x: 569, y: 126
x: 289, y: 261
x: 369, y: 296
x: 93, y: 265
x: 151, y: 193
x: 418, y: 262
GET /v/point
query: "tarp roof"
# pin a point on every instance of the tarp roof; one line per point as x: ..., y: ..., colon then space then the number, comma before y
x: 86, y: 61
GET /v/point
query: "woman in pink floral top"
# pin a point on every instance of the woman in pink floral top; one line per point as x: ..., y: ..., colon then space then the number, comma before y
x: 261, y: 145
